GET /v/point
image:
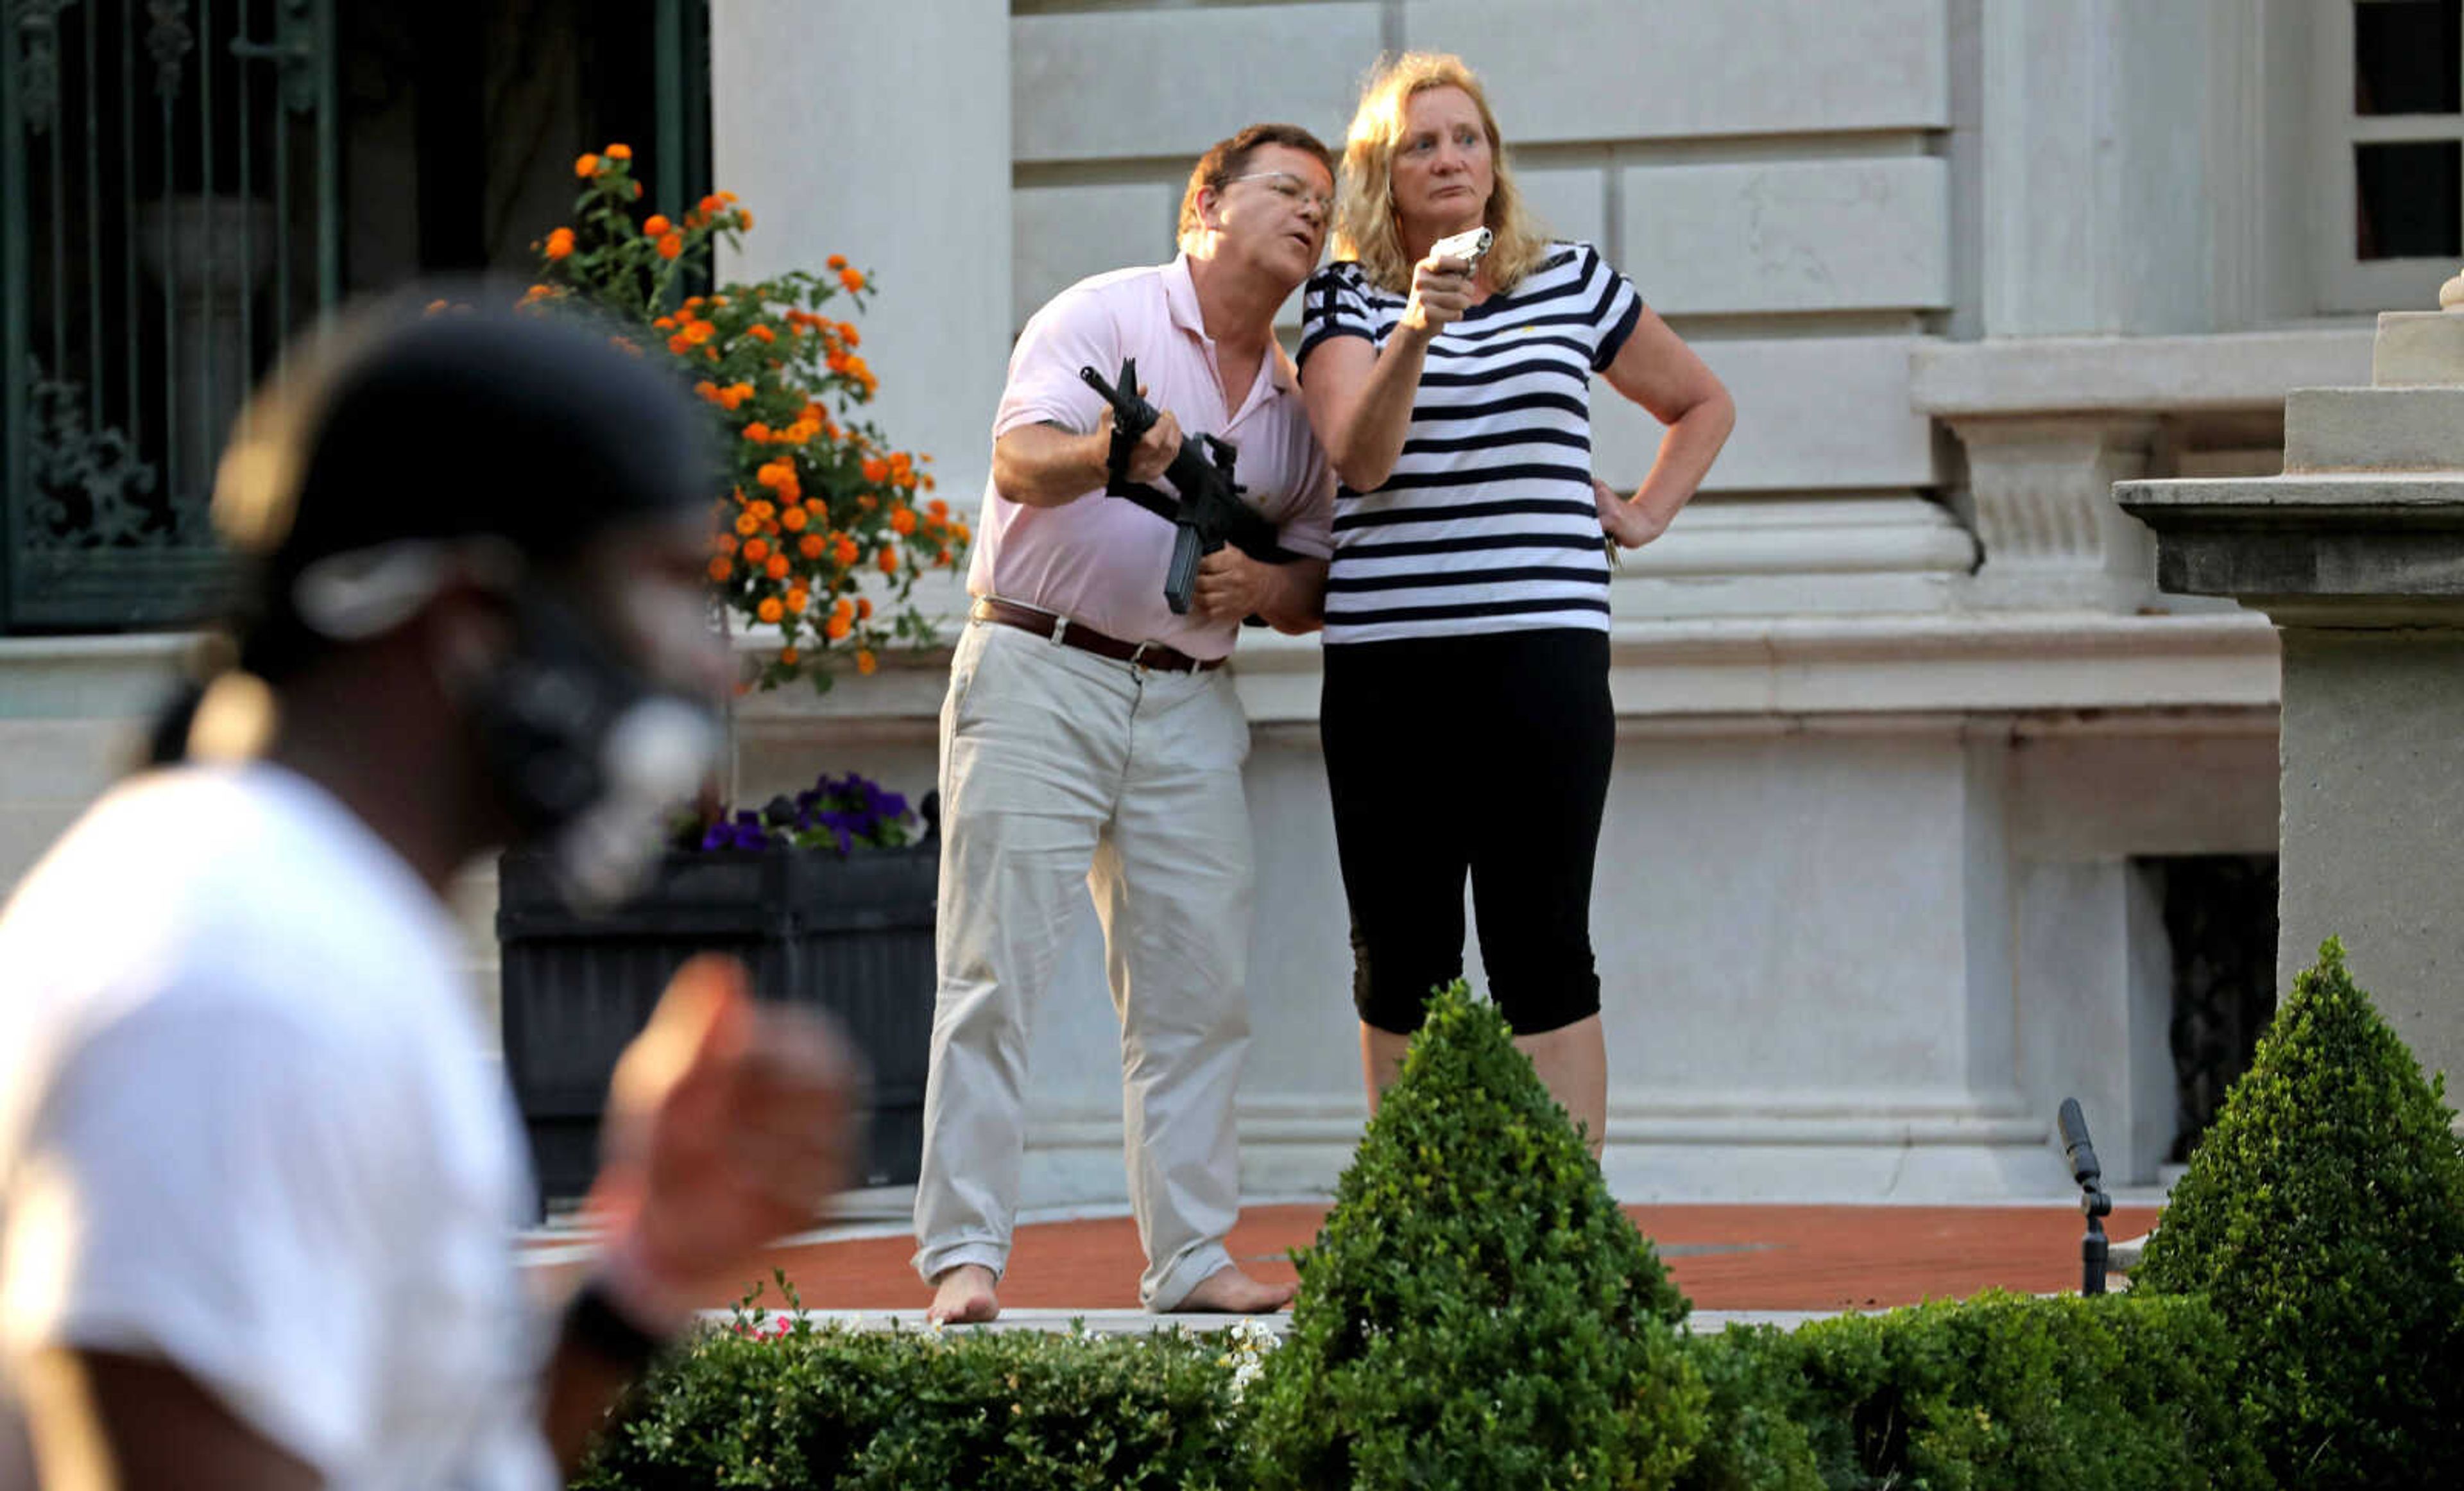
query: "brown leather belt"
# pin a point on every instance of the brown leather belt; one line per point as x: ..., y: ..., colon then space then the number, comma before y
x: 1086, y: 638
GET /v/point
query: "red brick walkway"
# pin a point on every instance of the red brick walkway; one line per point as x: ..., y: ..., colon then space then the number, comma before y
x: 1726, y: 1257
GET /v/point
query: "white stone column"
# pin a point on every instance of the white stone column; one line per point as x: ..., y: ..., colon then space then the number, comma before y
x: 882, y: 132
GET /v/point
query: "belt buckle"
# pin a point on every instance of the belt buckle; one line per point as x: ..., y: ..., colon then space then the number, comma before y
x: 1138, y: 657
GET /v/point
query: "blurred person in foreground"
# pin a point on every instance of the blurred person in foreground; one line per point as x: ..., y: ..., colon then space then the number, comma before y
x: 257, y: 1189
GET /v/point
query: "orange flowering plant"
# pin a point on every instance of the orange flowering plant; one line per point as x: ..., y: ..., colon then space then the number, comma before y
x: 813, y: 500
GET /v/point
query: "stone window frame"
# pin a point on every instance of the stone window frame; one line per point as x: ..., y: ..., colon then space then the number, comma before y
x: 2342, y: 280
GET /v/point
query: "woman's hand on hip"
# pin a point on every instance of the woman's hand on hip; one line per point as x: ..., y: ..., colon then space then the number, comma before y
x: 1623, y: 519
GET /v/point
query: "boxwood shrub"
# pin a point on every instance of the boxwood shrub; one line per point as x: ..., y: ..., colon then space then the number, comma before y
x: 2322, y: 1215
x: 1477, y: 1313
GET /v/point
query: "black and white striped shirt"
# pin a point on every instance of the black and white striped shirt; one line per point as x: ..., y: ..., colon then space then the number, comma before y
x: 1486, y: 522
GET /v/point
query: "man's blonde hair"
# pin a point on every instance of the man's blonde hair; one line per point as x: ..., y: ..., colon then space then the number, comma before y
x: 1365, y: 226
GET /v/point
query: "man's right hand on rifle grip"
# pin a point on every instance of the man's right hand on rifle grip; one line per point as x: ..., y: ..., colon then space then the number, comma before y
x: 1149, y: 458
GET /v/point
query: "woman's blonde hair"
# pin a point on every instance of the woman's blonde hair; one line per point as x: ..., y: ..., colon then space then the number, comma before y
x: 1365, y: 226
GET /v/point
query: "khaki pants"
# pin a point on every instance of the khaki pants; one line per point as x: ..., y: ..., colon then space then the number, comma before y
x: 1060, y: 769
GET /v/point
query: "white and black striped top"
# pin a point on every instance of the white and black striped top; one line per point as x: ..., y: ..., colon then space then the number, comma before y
x: 1486, y: 522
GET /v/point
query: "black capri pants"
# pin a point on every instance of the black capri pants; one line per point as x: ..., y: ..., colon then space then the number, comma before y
x: 1487, y: 754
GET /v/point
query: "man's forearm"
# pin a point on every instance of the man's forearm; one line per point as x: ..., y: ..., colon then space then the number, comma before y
x: 1047, y: 466
x: 1296, y: 602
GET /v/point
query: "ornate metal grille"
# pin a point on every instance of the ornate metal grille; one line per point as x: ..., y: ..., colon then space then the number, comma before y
x: 168, y: 217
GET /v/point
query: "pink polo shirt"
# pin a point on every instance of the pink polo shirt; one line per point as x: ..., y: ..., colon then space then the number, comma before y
x: 1100, y: 560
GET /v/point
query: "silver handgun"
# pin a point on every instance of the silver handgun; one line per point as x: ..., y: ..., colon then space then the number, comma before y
x: 1469, y: 245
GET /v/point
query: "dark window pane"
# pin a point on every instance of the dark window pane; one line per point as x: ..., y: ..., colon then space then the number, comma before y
x: 2406, y: 57
x: 2408, y: 199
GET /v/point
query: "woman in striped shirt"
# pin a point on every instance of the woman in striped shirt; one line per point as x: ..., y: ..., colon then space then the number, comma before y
x: 1466, y: 717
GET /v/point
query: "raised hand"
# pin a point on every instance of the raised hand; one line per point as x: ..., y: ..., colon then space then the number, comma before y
x: 1441, y: 293
x: 729, y: 1124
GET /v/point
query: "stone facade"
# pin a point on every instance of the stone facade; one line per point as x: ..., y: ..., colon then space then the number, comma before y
x: 1905, y: 723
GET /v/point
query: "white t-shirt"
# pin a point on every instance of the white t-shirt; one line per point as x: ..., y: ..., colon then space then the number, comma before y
x: 245, y: 1127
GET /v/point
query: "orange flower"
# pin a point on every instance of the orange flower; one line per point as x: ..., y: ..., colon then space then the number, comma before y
x: 762, y: 509
x: 852, y: 278
x: 620, y: 152
x: 776, y: 567
x: 755, y: 550
x: 937, y: 508
x: 680, y: 343
x: 838, y: 261
x: 793, y: 520
x: 810, y: 545
x: 724, y: 543
x: 846, y: 551
x: 739, y: 392
x: 902, y: 520
x: 888, y: 560
x: 865, y: 661
x: 788, y: 657
x: 655, y: 225
x: 586, y: 168
x: 559, y: 243
x: 758, y: 433
x: 849, y: 335
x: 770, y: 611
x: 863, y: 610
x: 671, y: 245
x: 876, y: 470
x: 747, y: 523
x: 743, y: 218
x: 798, y: 600
x: 712, y: 204
x: 844, y: 607
x: 837, y: 628
x: 720, y: 567
x: 761, y: 333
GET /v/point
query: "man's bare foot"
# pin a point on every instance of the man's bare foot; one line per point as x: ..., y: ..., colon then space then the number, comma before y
x: 964, y: 1295
x: 1228, y: 1291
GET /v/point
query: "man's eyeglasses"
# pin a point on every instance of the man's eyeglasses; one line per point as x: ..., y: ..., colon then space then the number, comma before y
x: 1283, y: 184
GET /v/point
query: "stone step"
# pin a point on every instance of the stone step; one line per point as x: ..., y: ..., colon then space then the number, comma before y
x: 2393, y: 429
x: 2415, y: 347
x: 1138, y: 1322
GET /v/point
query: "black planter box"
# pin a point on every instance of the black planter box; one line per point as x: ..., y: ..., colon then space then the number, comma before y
x: 850, y: 936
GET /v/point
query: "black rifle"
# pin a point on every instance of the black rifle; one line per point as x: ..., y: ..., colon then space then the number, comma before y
x: 1208, y: 509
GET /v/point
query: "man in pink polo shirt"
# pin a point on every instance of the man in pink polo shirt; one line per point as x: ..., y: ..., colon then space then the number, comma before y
x: 1090, y: 737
